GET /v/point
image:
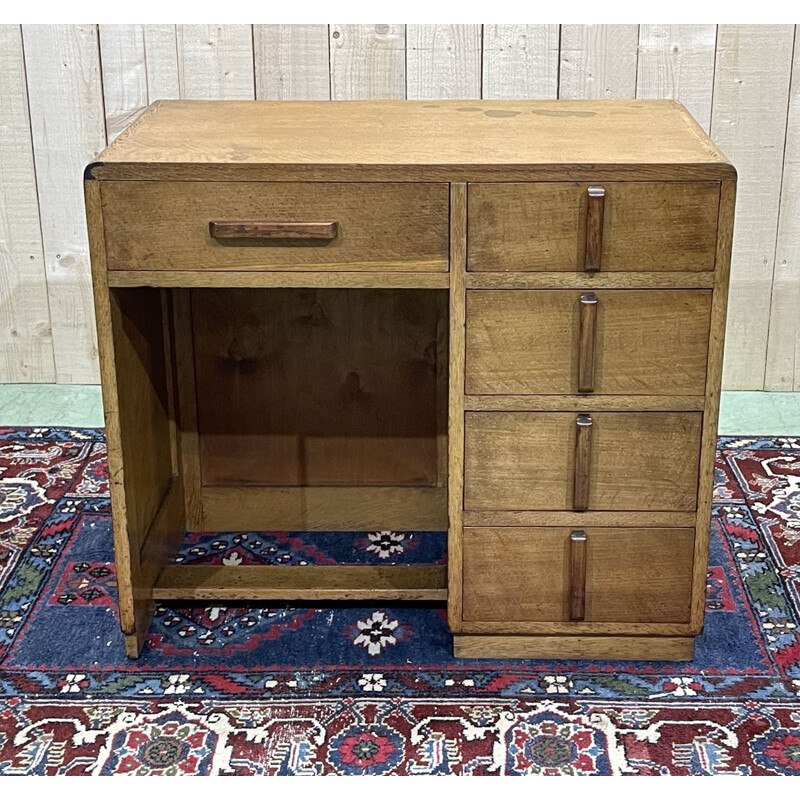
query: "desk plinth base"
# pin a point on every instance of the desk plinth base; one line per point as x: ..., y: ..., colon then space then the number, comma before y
x: 612, y: 648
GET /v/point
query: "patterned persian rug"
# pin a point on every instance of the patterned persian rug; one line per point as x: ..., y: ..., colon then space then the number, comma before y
x: 373, y: 691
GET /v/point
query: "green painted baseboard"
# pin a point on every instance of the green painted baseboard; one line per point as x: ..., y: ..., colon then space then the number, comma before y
x: 741, y: 413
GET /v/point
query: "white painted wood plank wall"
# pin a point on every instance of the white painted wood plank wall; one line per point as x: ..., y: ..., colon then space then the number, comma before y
x: 67, y: 90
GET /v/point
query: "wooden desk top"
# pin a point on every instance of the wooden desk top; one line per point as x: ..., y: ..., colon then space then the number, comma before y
x: 411, y: 140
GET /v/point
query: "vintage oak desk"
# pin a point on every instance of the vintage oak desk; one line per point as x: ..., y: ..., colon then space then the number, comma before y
x: 501, y: 317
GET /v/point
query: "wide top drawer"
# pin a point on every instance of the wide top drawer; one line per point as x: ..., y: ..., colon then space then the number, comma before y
x: 612, y: 226
x: 162, y: 225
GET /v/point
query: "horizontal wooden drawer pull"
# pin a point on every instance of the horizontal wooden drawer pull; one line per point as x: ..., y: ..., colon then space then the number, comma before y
x: 272, y: 230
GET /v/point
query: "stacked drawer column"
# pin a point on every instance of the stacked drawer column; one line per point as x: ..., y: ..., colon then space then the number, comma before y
x: 585, y: 366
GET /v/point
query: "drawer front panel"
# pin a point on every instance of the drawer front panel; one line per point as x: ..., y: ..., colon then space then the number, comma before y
x: 545, y: 226
x: 382, y: 227
x: 551, y: 461
x: 527, y: 575
x: 637, y: 342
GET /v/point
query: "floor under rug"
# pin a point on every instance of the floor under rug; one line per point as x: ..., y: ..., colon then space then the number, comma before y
x: 356, y: 690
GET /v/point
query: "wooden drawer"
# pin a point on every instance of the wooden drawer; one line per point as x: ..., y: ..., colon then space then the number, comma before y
x: 645, y: 226
x: 527, y: 575
x: 606, y: 461
x: 385, y: 227
x: 634, y: 342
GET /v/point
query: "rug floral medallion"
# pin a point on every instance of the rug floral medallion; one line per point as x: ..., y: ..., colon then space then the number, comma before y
x: 238, y: 690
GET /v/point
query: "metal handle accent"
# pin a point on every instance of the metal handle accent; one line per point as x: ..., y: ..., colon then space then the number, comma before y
x: 583, y: 458
x: 577, y: 576
x: 586, y: 338
x: 594, y: 228
x: 262, y: 229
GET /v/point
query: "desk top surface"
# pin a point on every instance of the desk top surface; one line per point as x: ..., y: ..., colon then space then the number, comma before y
x: 407, y: 134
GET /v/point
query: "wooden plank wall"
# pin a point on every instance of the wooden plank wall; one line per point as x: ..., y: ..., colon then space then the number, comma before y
x: 65, y: 90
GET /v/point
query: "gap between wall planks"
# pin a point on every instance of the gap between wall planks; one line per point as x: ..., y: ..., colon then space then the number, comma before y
x: 67, y: 90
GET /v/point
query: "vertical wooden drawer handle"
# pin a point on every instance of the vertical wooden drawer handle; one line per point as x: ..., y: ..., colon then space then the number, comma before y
x: 583, y: 460
x: 577, y: 576
x: 594, y: 228
x: 586, y: 337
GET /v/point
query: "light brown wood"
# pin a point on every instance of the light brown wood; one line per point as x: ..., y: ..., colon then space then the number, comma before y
x: 577, y: 576
x: 711, y: 416
x: 340, y: 582
x: 189, y: 444
x: 455, y: 428
x: 233, y: 139
x: 614, y: 648
x: 587, y: 280
x: 577, y: 402
x: 646, y: 342
x: 255, y: 229
x: 284, y: 402
x: 231, y: 279
x: 641, y: 461
x: 632, y: 575
x: 631, y: 519
x: 595, y: 212
x: 382, y: 227
x: 323, y: 508
x: 308, y: 387
x: 582, y: 465
x: 539, y: 226
x: 132, y: 361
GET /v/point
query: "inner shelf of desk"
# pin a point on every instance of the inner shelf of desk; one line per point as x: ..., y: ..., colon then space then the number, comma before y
x: 280, y: 409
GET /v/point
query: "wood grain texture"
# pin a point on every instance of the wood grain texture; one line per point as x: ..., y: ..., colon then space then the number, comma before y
x: 68, y: 127
x: 147, y: 524
x: 324, y: 508
x: 590, y: 280
x: 339, y: 582
x: 783, y: 344
x: 641, y: 461
x: 292, y: 62
x: 233, y: 279
x: 381, y: 227
x: 498, y: 135
x: 124, y: 75
x: 615, y: 648
x: 579, y: 402
x: 632, y: 575
x: 577, y: 576
x: 751, y: 93
x: 630, y: 519
x: 598, y: 62
x: 710, y: 417
x: 368, y: 62
x: 455, y: 427
x: 520, y: 61
x: 186, y: 386
x: 587, y: 338
x: 645, y: 342
x: 582, y: 464
x: 256, y: 229
x: 443, y: 62
x: 677, y: 62
x: 595, y: 214
x: 216, y: 62
x: 546, y: 226
x: 161, y: 62
x: 26, y: 344
x: 360, y: 367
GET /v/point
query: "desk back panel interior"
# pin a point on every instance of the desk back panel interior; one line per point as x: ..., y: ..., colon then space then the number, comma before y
x: 318, y: 404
